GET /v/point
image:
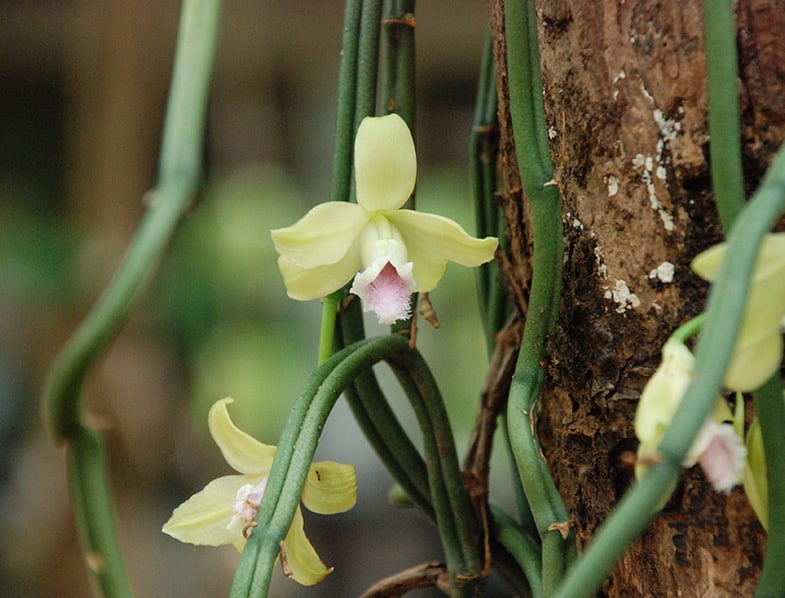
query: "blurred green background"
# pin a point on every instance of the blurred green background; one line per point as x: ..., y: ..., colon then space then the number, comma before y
x: 83, y: 86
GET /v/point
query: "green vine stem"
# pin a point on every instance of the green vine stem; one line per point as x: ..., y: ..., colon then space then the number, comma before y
x: 179, y: 173
x: 531, y: 141
x: 341, y: 180
x: 523, y: 548
x: 299, y: 441
x: 454, y: 515
x: 725, y: 309
x: 727, y: 177
x: 483, y: 149
x: 397, y: 49
x: 367, y: 61
x: 92, y: 506
x: 771, y: 414
x: 379, y: 423
x: 343, y: 152
x: 728, y: 182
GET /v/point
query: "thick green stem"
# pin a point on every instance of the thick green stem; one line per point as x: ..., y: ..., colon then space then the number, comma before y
x: 531, y: 141
x: 725, y: 310
x: 91, y: 504
x: 771, y: 415
x: 178, y: 180
x: 727, y: 177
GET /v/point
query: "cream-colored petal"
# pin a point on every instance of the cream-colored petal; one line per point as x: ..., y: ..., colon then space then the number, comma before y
x: 322, y: 236
x: 305, y: 284
x: 242, y: 451
x: 299, y: 558
x: 385, y: 163
x: 330, y: 488
x: 432, y: 240
x: 769, y: 265
x: 755, y: 482
x: 202, y: 519
x: 663, y: 392
x: 754, y: 361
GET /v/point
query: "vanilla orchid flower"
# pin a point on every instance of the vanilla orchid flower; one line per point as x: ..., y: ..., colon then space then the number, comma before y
x: 717, y: 447
x: 389, y: 252
x: 758, y: 351
x: 224, y: 511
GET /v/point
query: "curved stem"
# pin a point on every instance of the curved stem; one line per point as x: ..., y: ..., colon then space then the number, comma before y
x: 178, y: 179
x: 724, y: 312
x: 299, y: 441
x: 528, y: 120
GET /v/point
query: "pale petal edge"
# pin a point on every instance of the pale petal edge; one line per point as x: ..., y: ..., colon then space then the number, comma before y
x: 433, y: 240
x: 305, y: 284
x: 202, y: 519
x: 299, y: 559
x: 242, y: 451
x: 322, y: 236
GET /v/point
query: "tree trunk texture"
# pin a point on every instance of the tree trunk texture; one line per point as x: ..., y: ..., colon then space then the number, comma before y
x: 626, y: 104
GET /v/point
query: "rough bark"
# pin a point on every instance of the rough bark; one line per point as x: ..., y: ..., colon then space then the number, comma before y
x: 626, y: 103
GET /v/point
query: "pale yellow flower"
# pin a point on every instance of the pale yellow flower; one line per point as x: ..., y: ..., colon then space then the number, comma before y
x: 389, y: 252
x: 717, y: 447
x: 224, y: 511
x: 758, y: 351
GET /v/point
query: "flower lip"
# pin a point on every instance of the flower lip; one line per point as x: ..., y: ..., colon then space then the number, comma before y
x: 388, y: 294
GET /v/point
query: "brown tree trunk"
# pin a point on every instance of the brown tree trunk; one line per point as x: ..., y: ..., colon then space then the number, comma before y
x: 626, y: 104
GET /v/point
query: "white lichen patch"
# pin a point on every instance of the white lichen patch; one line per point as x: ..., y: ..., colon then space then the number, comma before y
x: 669, y: 129
x: 613, y: 184
x: 663, y: 272
x: 647, y: 164
x: 622, y: 296
x: 552, y: 133
x: 622, y: 75
x: 602, y: 268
